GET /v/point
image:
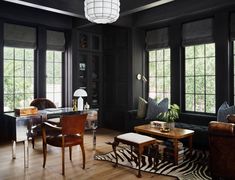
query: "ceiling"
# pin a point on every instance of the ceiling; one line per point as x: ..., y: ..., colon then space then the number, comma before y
x: 75, y: 8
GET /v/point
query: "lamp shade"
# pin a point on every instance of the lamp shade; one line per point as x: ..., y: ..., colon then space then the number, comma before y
x: 102, y: 11
x: 80, y: 93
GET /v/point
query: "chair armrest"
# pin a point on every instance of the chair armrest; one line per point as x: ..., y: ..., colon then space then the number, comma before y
x: 221, y: 129
x: 55, y: 127
x: 231, y: 118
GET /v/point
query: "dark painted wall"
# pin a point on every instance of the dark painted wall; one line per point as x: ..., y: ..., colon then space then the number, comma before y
x: 137, y: 66
x: 116, y: 75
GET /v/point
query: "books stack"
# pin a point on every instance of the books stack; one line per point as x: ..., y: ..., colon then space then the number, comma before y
x: 161, y: 149
x: 169, y: 151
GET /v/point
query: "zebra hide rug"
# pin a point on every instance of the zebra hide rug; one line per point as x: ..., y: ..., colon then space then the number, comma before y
x: 194, y: 168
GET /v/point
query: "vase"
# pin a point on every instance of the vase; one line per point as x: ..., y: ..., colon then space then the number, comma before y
x: 171, y: 125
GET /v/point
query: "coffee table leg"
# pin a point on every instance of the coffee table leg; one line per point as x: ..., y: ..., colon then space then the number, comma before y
x: 114, y: 145
x: 190, y: 145
x: 176, y: 151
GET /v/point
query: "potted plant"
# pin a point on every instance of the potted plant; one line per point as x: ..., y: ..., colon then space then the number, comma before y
x: 170, y: 116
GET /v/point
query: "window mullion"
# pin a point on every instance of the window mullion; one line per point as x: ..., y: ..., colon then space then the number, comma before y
x: 205, y: 108
x: 194, y: 86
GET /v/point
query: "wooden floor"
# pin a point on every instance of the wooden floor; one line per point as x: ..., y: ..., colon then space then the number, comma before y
x: 101, y: 170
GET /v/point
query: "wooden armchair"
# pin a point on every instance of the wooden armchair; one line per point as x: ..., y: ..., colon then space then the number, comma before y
x: 70, y: 134
x: 221, y: 148
x: 42, y: 103
x: 35, y: 124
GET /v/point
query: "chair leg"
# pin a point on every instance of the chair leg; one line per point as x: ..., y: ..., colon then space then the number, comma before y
x: 44, y: 154
x: 62, y: 161
x: 70, y: 153
x: 83, y: 155
x: 33, y: 142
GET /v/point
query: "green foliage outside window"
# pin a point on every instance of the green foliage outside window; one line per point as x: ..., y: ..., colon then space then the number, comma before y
x: 18, y: 77
x: 200, y: 78
x: 159, y: 74
x: 54, y: 77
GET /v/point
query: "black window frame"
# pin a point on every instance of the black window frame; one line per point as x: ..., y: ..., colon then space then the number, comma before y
x: 204, y: 75
x: 62, y: 75
x: 164, y: 93
x: 14, y: 76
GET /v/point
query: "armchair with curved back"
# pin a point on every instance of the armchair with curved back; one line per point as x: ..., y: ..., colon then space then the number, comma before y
x: 35, y: 126
x: 221, y: 148
x: 70, y: 133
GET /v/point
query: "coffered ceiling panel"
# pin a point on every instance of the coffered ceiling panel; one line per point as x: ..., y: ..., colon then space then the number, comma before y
x: 76, y: 7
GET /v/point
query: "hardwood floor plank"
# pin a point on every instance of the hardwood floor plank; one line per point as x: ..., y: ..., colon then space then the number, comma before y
x: 95, y: 170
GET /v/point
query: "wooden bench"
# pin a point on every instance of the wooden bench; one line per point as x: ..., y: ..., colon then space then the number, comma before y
x: 134, y: 140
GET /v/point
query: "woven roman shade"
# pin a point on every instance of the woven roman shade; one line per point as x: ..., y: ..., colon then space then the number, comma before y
x: 55, y: 41
x: 157, y: 39
x: 19, y: 36
x: 198, y: 32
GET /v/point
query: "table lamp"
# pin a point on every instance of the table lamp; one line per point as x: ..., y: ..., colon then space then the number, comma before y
x: 80, y: 93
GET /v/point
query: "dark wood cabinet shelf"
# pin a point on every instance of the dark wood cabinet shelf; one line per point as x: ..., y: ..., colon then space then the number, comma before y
x: 88, y: 66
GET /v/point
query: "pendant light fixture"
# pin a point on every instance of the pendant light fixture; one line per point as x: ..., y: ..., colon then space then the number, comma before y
x: 102, y: 11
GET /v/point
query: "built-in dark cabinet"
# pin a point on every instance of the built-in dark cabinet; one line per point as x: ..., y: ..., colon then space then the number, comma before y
x: 89, y: 64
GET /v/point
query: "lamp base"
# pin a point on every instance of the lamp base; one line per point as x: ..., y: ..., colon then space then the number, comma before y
x: 80, y: 104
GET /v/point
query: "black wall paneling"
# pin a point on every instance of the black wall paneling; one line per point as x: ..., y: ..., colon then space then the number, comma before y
x: 223, y: 78
x: 231, y: 57
x: 137, y: 67
x: 116, y: 81
x: 41, y: 63
x: 70, y: 58
x: 176, y: 63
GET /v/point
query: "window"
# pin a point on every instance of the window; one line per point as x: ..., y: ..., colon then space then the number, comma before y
x: 54, y: 77
x: 159, y: 74
x: 18, y: 77
x: 200, y: 78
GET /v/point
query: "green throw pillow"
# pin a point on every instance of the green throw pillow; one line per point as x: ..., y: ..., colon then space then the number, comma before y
x: 142, y: 106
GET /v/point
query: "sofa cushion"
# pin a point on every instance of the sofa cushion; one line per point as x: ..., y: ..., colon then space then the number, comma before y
x: 154, y: 109
x: 142, y: 106
x: 223, y: 111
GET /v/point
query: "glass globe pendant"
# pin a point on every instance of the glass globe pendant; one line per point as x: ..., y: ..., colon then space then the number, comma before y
x: 102, y: 11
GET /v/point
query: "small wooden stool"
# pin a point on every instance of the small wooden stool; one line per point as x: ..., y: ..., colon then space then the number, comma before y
x: 133, y: 139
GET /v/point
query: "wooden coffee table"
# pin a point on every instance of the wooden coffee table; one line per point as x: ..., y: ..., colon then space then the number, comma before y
x: 175, y: 134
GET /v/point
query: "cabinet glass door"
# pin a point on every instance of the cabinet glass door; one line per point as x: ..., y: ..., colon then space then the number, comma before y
x: 83, y: 41
x: 95, y: 60
x: 96, y: 43
x: 83, y: 58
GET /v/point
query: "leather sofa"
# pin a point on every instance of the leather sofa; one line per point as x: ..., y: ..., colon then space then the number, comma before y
x: 221, y: 148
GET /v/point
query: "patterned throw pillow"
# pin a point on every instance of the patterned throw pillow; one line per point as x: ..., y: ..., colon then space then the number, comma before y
x: 142, y: 106
x: 154, y: 109
x: 223, y: 111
